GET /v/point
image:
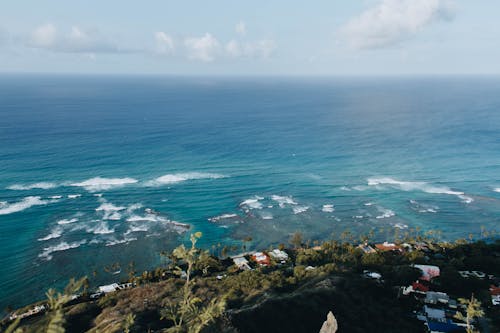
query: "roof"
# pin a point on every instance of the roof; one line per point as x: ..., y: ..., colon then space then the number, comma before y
x: 366, y: 248
x: 434, y: 313
x: 108, y: 288
x: 278, y: 254
x: 433, y: 297
x: 240, y: 261
x: 428, y: 271
x: 261, y: 258
x: 385, y: 246
x: 448, y: 326
x: 494, y: 290
x: 420, y: 287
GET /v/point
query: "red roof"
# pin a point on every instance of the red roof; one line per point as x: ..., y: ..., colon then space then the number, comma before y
x: 494, y: 290
x: 419, y: 287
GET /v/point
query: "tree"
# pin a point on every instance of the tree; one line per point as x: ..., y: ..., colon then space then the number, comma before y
x: 296, y: 239
x: 189, y: 314
x: 472, y: 311
x: 128, y: 323
x: 57, y: 300
x: 13, y: 328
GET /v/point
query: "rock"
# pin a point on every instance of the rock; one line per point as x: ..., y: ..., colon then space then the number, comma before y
x: 330, y: 325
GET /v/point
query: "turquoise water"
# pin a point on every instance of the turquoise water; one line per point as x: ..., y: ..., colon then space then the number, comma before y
x: 94, y: 170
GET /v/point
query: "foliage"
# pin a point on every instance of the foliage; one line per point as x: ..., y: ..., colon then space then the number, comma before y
x: 189, y: 313
x: 473, y: 310
x: 57, y: 300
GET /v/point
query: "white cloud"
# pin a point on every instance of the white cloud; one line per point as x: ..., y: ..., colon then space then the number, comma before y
x: 164, y: 43
x: 202, y: 48
x: 394, y: 21
x: 44, y: 35
x: 241, y: 28
x: 258, y: 49
x: 77, y: 40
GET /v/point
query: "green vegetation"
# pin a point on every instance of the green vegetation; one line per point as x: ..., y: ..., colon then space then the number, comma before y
x: 199, y: 292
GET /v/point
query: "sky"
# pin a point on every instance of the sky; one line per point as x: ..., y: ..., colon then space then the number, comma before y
x: 271, y: 37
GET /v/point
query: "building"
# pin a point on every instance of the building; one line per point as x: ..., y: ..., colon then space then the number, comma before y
x: 261, y: 258
x: 279, y: 255
x: 241, y: 263
x: 428, y: 271
x: 436, y: 297
x: 495, y: 295
x: 366, y: 248
x: 385, y: 246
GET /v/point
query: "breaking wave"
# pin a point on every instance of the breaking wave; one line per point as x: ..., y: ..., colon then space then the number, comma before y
x: 6, y: 208
x: 328, y: 208
x: 283, y: 200
x: 56, y: 233
x: 47, y: 252
x: 418, y: 186
x: 300, y: 209
x: 101, y: 184
x: 222, y: 217
x: 66, y: 221
x: 385, y: 213
x: 181, y: 177
x: 25, y: 187
x: 252, y: 203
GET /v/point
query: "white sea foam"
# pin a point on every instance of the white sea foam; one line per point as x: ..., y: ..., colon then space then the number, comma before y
x: 252, y: 203
x: 132, y: 229
x: 55, y: 233
x: 300, y: 209
x: 19, y: 206
x: 385, y: 213
x: 345, y: 188
x: 101, y: 229
x: 56, y: 197
x: 25, y: 187
x: 181, y: 177
x: 266, y: 215
x: 418, y: 186
x: 222, y: 217
x: 368, y: 203
x: 423, y: 208
x: 99, y: 195
x: 102, y: 184
x: 400, y: 226
x: 74, y: 196
x: 328, y: 208
x: 107, y: 206
x: 66, y: 221
x: 63, y: 246
x: 120, y: 241
x: 283, y: 200
x: 497, y: 189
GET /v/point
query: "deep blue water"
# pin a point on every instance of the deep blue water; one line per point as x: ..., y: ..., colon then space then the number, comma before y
x: 84, y: 160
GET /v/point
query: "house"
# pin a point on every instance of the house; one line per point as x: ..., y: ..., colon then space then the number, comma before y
x: 372, y: 275
x: 385, y: 246
x: 417, y: 286
x: 495, y: 295
x: 279, y: 255
x: 109, y: 288
x: 241, y: 263
x: 366, y: 248
x: 444, y: 326
x: 261, y: 258
x: 428, y: 271
x: 435, y: 297
x: 434, y: 314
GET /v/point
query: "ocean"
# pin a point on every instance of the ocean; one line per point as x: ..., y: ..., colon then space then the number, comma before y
x: 100, y: 171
